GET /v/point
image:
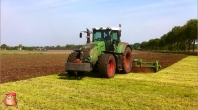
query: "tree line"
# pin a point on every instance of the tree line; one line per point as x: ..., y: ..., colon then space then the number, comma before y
x: 179, y: 38
x: 58, y: 47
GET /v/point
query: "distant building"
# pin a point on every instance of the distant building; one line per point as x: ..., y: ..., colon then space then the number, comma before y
x: 19, y: 48
x: 138, y: 48
x: 41, y: 49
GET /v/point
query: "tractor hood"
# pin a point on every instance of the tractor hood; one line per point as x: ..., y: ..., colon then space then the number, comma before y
x: 92, y: 50
x: 91, y: 45
x: 99, y: 43
x: 88, y: 46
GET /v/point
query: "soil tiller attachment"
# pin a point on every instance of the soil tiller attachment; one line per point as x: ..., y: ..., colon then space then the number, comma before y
x: 138, y: 63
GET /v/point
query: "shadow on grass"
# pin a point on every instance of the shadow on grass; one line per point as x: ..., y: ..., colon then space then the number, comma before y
x: 80, y: 77
x: 65, y: 76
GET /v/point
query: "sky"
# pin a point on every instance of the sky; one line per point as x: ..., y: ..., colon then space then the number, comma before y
x: 59, y: 22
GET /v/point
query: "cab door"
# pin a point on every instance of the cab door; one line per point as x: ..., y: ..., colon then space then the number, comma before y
x: 114, y: 40
x: 107, y: 40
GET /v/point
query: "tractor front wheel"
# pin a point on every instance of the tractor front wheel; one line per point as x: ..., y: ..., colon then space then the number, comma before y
x: 107, y: 65
x: 73, y: 57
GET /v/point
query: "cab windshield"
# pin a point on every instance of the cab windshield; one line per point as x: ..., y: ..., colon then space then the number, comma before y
x: 100, y: 35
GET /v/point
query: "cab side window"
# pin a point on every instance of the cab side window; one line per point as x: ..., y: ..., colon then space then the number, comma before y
x: 114, y: 35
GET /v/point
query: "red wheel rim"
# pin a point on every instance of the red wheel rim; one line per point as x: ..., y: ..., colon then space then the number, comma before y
x: 111, y: 67
x: 127, y: 60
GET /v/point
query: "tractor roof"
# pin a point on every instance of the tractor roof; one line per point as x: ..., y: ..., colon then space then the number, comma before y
x: 105, y: 28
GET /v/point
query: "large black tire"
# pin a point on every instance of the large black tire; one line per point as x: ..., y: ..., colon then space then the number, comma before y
x: 127, y: 60
x: 71, y: 58
x: 107, y: 65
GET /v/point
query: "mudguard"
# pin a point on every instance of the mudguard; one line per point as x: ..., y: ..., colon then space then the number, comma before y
x: 121, y: 47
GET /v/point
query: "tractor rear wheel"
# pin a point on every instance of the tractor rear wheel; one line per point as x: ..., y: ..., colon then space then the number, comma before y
x: 107, y: 65
x: 73, y: 57
x: 127, y: 60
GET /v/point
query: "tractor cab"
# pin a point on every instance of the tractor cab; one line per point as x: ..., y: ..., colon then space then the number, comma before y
x: 111, y: 37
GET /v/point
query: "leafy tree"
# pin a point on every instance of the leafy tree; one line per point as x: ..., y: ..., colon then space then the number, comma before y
x: 70, y: 45
x: 156, y: 43
x: 151, y: 44
x: 78, y: 46
x: 20, y: 45
x: 162, y: 41
x: 170, y: 40
x: 175, y: 36
x: 182, y: 38
x: 58, y: 46
x: 132, y: 46
x: 136, y: 45
x: 4, y: 46
x: 144, y: 45
x: 191, y: 30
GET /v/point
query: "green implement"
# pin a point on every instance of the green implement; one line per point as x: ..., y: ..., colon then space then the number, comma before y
x: 139, y: 63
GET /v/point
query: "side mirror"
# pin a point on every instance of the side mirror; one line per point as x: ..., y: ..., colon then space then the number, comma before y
x: 80, y: 35
x: 119, y: 25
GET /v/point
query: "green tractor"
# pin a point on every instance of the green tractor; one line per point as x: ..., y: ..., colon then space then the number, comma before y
x: 105, y: 54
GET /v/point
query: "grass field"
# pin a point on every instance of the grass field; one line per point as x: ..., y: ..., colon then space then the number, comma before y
x: 172, y: 88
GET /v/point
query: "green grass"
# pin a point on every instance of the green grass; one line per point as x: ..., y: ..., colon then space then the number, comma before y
x: 172, y: 88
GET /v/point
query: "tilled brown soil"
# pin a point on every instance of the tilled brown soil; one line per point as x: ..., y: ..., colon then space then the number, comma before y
x: 23, y: 66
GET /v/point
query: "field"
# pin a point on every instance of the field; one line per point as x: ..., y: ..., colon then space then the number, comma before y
x: 174, y: 87
x: 23, y: 65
